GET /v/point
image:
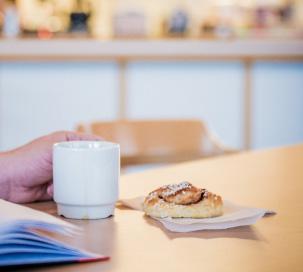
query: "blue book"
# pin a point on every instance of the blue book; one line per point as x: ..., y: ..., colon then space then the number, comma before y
x: 25, y: 238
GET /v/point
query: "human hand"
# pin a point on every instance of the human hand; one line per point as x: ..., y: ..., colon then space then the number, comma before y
x: 26, y: 172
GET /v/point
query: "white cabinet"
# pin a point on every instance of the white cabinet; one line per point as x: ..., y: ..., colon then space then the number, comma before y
x: 277, y: 104
x: 39, y: 97
x: 211, y: 91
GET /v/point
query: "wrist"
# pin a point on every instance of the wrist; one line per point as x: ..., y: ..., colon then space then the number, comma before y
x: 5, y: 180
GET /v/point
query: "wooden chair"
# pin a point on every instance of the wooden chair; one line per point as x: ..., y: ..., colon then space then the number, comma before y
x: 158, y: 141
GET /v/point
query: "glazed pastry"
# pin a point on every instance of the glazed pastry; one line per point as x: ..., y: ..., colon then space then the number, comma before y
x: 182, y: 200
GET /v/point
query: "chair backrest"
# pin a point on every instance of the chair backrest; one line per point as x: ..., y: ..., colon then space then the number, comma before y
x: 162, y: 140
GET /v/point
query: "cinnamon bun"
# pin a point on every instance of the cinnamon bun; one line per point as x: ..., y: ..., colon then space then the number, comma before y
x: 182, y: 200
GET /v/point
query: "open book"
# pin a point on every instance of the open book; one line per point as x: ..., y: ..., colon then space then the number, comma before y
x: 22, y: 241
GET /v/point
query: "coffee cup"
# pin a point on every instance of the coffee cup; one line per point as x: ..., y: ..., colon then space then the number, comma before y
x: 86, y: 178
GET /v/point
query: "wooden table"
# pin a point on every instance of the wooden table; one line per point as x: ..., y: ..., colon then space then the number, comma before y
x: 271, y: 179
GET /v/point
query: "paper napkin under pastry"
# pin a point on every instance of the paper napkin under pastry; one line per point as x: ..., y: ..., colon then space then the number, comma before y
x: 234, y: 216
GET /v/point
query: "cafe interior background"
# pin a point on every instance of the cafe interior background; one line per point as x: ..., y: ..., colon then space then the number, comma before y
x: 246, y: 102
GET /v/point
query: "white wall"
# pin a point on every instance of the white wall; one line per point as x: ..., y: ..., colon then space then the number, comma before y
x: 277, y: 104
x: 38, y: 98
x: 211, y: 91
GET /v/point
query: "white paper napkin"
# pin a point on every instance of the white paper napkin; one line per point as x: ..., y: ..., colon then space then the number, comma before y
x: 233, y: 216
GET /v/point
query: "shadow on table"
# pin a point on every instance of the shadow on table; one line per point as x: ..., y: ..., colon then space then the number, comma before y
x: 244, y: 232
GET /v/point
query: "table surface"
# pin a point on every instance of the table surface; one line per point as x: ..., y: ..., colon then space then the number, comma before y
x: 270, y: 179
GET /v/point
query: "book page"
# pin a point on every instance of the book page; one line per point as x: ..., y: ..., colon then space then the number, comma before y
x: 11, y: 214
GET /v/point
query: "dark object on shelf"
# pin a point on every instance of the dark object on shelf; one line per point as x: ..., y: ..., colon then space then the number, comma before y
x: 261, y: 17
x: 208, y: 30
x: 79, y: 22
x: 178, y: 23
x: 286, y: 13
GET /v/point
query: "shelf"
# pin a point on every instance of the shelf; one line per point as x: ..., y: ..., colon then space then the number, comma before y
x: 90, y: 49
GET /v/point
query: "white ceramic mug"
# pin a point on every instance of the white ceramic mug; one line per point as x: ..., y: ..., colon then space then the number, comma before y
x: 86, y: 178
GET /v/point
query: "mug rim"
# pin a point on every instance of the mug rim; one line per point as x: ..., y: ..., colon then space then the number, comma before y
x: 85, y: 145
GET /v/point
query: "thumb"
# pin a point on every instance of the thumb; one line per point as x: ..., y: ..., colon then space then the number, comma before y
x: 50, y: 190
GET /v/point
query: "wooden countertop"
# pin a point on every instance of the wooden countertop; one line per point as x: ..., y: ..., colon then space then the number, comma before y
x: 90, y: 49
x: 271, y: 179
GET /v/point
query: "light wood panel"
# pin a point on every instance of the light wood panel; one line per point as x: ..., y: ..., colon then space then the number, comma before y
x: 247, y: 104
x: 70, y: 49
x: 271, y: 179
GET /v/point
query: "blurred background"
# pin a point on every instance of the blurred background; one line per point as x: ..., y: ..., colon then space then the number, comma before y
x: 156, y: 19
x: 236, y: 65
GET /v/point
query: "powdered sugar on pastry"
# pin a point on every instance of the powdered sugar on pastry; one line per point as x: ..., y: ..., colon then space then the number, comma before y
x: 172, y: 189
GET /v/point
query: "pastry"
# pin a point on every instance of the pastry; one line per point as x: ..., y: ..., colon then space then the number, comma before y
x: 182, y: 200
